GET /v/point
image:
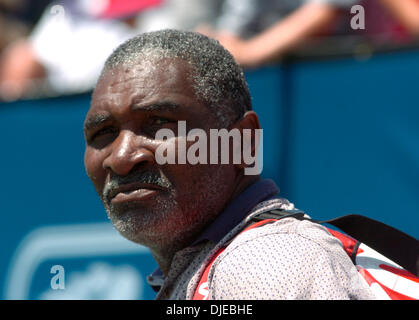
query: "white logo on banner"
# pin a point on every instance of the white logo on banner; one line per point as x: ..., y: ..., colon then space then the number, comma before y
x: 75, y: 241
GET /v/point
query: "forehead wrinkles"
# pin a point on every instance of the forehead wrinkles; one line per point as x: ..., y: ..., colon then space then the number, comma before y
x: 167, y: 73
x: 170, y: 74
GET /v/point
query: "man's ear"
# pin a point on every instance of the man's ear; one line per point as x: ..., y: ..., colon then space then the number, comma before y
x: 250, y: 131
x: 250, y: 120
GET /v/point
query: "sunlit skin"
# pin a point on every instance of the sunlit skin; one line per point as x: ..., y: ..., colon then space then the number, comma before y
x: 163, y: 207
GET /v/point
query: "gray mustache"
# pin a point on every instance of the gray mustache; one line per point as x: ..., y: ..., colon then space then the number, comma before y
x: 148, y: 177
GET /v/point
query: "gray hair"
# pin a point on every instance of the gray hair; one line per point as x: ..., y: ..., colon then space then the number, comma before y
x: 218, y: 81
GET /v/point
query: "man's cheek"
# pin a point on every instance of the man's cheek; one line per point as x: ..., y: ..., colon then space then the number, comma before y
x: 95, y: 171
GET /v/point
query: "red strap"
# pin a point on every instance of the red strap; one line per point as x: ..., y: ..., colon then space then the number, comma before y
x: 202, y: 290
x: 349, y: 244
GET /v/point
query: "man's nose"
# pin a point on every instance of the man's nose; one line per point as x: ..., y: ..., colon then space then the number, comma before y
x: 128, y: 151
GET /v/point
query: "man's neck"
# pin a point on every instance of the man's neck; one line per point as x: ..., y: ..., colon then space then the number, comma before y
x: 164, y: 256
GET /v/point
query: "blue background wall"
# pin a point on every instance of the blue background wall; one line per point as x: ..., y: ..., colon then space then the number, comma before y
x: 340, y: 136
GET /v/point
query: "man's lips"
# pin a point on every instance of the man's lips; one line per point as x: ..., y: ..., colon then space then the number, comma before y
x: 132, y: 192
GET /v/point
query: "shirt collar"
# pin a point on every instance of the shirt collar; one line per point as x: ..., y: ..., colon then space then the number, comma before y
x: 238, y: 209
x: 231, y: 216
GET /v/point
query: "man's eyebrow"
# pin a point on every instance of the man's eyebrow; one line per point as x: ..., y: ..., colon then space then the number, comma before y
x: 157, y: 106
x: 95, y: 121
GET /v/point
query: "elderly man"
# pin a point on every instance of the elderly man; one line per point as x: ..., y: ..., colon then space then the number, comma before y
x: 186, y: 212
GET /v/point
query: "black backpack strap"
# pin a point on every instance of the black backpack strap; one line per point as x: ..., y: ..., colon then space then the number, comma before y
x: 388, y: 241
x: 279, y: 214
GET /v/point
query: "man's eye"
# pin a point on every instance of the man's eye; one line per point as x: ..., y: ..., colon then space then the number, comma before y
x: 102, y: 132
x: 160, y: 121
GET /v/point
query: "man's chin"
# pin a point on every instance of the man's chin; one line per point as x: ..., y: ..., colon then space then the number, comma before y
x: 140, y: 225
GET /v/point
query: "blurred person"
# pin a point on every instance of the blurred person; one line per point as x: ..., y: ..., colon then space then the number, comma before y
x: 388, y: 21
x: 68, y: 46
x: 10, y: 27
x: 17, y: 17
x: 179, y: 14
x: 406, y: 12
x: 260, y: 31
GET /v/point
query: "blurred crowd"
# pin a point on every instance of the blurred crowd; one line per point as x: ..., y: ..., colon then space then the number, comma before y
x: 60, y: 46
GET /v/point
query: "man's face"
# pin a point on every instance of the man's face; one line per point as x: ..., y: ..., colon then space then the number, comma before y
x: 152, y: 204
